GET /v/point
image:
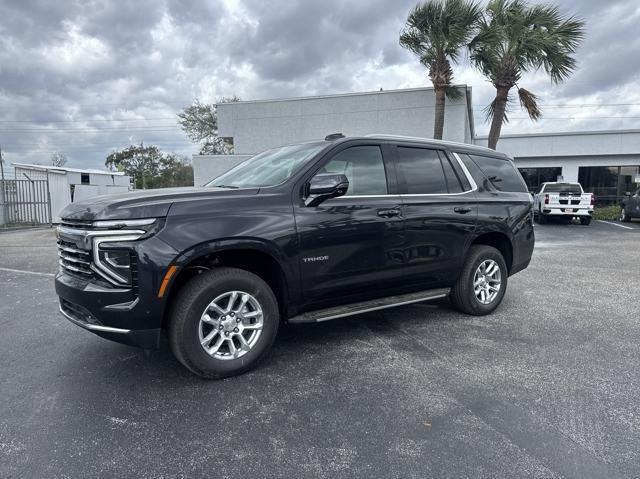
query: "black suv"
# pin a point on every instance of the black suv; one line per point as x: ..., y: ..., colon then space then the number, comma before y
x: 630, y: 206
x: 302, y: 233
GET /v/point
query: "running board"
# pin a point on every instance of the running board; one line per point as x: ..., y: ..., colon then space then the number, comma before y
x: 367, y: 306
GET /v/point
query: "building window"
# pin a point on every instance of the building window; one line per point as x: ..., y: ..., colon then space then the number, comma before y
x: 534, y: 177
x: 84, y: 178
x: 607, y: 183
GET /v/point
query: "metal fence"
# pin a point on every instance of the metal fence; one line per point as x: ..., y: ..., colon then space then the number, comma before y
x: 24, y: 203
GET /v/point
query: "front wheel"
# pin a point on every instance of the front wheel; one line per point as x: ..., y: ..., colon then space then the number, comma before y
x: 624, y: 217
x: 482, y: 283
x: 585, y: 220
x: 223, y: 322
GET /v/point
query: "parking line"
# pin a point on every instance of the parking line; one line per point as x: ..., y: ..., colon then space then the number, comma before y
x: 616, y: 224
x: 11, y: 270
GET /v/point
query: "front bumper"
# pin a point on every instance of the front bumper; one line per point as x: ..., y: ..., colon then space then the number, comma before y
x: 114, y: 314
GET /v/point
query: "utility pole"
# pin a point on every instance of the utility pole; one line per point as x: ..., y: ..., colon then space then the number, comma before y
x: 1, y: 165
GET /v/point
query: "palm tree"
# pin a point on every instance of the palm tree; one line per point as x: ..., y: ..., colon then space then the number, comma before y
x: 436, y: 31
x: 515, y: 38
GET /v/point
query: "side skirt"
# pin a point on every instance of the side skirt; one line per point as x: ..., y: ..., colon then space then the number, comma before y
x: 367, y: 306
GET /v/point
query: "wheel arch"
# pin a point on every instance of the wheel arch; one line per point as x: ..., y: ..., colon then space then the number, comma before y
x: 499, y: 241
x: 255, y: 256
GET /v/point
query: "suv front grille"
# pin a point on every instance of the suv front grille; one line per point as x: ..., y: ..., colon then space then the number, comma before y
x: 80, y: 224
x: 73, y: 260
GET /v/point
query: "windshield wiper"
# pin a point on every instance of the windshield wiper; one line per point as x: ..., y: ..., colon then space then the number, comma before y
x: 227, y: 186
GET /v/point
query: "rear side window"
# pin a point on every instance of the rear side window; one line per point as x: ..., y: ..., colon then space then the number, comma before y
x: 422, y: 171
x: 501, y: 173
x: 453, y: 183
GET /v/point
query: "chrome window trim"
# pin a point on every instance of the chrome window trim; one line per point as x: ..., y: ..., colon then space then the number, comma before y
x: 472, y: 182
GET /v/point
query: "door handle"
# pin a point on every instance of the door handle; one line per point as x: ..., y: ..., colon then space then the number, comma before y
x: 389, y: 213
x: 463, y: 210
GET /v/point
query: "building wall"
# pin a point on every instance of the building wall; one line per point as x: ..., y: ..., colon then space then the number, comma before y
x: 571, y: 150
x: 60, y: 182
x: 258, y: 125
x: 208, y: 167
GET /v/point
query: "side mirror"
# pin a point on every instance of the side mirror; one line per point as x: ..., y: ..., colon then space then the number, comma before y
x: 325, y: 186
x: 627, y: 193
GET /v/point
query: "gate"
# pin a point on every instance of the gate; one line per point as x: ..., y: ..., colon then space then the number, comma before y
x: 25, y: 203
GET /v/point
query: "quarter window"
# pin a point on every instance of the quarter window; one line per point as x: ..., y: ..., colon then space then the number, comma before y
x: 363, y: 167
x: 422, y: 171
x: 501, y: 173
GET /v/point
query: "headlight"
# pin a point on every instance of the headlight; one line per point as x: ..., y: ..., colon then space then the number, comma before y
x: 118, y: 264
x: 113, y: 262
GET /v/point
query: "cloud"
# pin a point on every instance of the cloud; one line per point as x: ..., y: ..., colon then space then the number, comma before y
x: 86, y: 77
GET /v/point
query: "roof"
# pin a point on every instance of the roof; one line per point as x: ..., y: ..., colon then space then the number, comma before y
x: 452, y: 145
x: 564, y: 133
x: 338, y: 95
x: 64, y: 169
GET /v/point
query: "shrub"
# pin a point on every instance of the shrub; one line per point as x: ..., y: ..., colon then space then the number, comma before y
x: 607, y: 212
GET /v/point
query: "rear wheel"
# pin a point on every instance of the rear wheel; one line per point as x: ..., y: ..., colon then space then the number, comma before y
x: 624, y: 217
x: 585, y: 220
x: 223, y: 322
x: 482, y: 283
x: 542, y: 218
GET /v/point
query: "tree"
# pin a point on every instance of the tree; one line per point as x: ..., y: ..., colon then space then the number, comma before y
x: 515, y: 38
x: 175, y: 170
x: 140, y: 162
x: 151, y: 168
x: 58, y: 159
x: 200, y: 122
x: 436, y: 31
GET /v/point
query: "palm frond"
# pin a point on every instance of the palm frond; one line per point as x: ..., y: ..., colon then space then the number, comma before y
x: 514, y: 38
x: 453, y: 93
x: 490, y: 110
x: 439, y: 29
x: 529, y: 102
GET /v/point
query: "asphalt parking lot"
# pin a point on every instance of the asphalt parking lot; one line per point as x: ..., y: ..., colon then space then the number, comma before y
x: 547, y: 386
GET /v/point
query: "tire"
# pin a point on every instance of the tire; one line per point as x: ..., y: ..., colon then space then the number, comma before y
x: 585, y: 220
x: 463, y: 296
x: 624, y: 217
x: 542, y: 218
x: 196, y: 298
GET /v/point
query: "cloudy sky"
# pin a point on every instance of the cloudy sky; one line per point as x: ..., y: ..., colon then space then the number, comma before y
x: 85, y: 77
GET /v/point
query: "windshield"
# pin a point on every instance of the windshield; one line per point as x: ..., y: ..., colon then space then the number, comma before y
x: 269, y: 168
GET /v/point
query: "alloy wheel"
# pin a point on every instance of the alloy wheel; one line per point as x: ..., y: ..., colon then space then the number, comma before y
x: 487, y: 281
x: 231, y: 325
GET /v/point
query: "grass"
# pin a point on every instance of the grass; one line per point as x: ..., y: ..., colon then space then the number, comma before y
x: 607, y: 213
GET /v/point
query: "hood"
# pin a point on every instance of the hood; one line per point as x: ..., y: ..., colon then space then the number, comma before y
x: 143, y: 203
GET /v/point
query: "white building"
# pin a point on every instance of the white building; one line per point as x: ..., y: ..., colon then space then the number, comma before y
x: 67, y: 185
x: 607, y: 163
x: 253, y: 126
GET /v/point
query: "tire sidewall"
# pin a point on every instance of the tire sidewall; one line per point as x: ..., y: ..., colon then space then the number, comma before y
x: 493, y: 254
x: 203, y: 363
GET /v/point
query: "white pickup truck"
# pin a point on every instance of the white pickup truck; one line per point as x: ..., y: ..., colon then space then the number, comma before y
x: 565, y: 200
